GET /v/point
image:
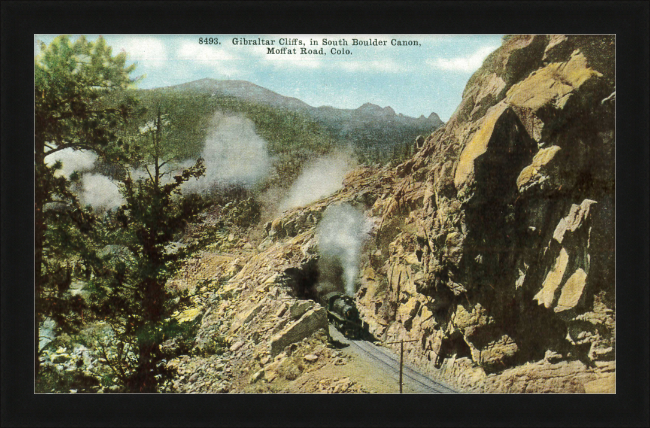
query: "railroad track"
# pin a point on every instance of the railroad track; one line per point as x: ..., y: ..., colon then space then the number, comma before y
x: 412, y: 379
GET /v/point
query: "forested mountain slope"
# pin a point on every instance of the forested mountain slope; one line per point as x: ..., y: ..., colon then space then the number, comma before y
x: 369, y: 127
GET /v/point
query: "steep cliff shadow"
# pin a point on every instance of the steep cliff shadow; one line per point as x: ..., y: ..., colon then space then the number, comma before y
x: 490, y: 212
x: 302, y: 281
x: 315, y: 278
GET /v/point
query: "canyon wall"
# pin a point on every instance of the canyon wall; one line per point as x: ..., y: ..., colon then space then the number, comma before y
x: 496, y: 245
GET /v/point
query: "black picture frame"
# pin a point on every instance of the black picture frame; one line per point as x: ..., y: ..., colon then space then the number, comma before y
x: 628, y: 20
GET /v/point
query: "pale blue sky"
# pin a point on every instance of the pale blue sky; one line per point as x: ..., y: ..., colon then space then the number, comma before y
x: 413, y: 80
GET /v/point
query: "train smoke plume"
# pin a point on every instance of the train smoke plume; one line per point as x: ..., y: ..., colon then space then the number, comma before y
x: 341, y: 235
x: 321, y: 178
x: 233, y: 154
x: 100, y: 191
x: 96, y: 190
x: 72, y: 160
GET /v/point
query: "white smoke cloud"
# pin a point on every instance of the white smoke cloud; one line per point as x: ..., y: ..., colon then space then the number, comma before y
x: 96, y: 190
x: 233, y: 154
x: 72, y: 160
x: 319, y: 179
x: 139, y: 174
x: 99, y: 191
x: 341, y: 234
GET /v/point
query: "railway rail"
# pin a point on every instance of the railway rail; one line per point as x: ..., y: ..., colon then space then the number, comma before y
x: 414, y: 380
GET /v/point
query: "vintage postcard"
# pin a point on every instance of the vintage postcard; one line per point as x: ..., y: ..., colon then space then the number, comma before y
x: 340, y: 213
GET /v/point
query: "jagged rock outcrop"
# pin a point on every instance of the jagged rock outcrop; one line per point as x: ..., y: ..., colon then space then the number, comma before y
x: 498, y: 243
x: 491, y: 250
x: 305, y: 326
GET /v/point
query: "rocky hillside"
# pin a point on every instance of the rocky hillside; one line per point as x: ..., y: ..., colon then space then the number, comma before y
x: 254, y: 302
x: 492, y: 248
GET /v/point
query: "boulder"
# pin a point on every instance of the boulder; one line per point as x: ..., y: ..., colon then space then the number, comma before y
x: 312, y: 321
x: 257, y: 376
x: 536, y: 173
x: 300, y: 307
x: 189, y: 315
x: 547, y: 91
x: 546, y: 295
x: 310, y: 358
x: 572, y: 291
x: 574, y: 220
x: 276, y: 228
x: 236, y: 346
x: 270, y: 376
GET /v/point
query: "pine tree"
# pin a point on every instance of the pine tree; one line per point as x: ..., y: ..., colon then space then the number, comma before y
x: 132, y: 295
x: 72, y: 82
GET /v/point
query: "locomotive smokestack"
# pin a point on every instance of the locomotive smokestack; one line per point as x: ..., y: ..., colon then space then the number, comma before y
x: 341, y: 234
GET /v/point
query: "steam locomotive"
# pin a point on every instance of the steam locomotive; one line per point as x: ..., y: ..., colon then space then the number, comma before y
x: 343, y: 313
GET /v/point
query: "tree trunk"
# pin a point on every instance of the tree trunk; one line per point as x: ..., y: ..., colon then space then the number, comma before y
x: 145, y: 380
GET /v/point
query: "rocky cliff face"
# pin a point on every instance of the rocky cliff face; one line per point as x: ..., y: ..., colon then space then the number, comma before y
x: 492, y: 248
x: 497, y: 248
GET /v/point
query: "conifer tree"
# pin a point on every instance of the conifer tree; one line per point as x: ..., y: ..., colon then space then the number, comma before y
x: 132, y: 296
x: 73, y: 82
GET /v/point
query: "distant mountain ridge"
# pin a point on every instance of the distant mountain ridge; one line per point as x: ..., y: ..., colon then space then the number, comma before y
x: 342, y: 121
x: 242, y: 89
